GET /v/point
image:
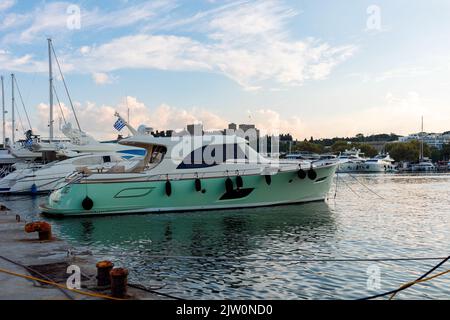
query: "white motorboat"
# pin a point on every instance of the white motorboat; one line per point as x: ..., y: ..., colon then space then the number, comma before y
x: 380, y: 163
x: 350, y: 161
x: 424, y: 165
x: 44, y: 179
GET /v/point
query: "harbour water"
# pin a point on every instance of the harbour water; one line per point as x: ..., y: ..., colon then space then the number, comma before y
x: 260, y: 253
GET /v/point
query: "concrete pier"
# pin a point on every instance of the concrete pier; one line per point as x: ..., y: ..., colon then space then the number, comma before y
x: 51, y: 256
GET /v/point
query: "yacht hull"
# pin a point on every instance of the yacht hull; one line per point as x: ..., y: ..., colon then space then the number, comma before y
x: 130, y: 197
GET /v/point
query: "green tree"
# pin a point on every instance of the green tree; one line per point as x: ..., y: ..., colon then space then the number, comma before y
x: 340, y: 146
x: 308, y: 146
x: 445, y: 152
x: 367, y: 149
x: 407, y: 151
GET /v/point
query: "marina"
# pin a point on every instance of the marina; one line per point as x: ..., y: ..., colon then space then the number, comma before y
x: 237, y: 154
x: 286, y: 252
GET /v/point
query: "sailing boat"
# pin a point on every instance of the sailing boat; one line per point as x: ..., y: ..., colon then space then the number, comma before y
x: 77, y: 141
x: 15, y: 151
x: 84, y: 153
x: 424, y: 164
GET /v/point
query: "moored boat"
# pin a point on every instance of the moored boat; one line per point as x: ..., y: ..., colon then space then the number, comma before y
x: 350, y: 161
x: 378, y: 164
x: 44, y: 179
x: 190, y: 174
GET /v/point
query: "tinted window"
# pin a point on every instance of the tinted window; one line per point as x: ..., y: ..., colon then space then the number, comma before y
x: 210, y: 156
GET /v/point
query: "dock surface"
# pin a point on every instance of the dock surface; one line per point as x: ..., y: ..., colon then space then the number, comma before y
x: 25, y: 250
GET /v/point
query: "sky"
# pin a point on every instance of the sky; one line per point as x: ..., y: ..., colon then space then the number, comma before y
x: 318, y: 68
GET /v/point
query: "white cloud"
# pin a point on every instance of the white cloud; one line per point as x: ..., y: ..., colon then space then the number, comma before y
x: 247, y: 43
x: 24, y: 63
x: 98, y: 120
x: 102, y: 78
x: 6, y: 4
x: 51, y: 19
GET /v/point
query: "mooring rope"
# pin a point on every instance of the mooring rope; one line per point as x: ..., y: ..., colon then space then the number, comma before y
x: 272, y: 259
x: 35, y: 272
x: 60, y: 286
x: 418, y: 280
x: 381, y: 197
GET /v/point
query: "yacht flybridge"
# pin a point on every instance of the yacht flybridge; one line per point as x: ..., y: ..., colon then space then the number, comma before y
x: 191, y: 173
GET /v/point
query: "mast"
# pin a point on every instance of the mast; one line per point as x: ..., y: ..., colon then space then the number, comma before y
x: 50, y: 73
x: 3, y: 113
x: 13, y: 102
x: 421, y: 143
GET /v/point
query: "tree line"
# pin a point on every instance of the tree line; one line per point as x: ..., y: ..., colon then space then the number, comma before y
x: 400, y: 151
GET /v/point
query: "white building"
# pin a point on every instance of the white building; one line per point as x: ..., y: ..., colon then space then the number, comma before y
x: 436, y: 140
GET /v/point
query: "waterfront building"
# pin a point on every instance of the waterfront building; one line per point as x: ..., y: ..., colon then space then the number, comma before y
x: 436, y: 140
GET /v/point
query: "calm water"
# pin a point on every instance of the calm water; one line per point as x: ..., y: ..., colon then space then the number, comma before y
x: 413, y: 220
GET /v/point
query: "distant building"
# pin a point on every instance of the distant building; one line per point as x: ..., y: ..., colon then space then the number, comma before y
x: 436, y: 140
x: 232, y: 126
x: 247, y: 127
x: 195, y: 129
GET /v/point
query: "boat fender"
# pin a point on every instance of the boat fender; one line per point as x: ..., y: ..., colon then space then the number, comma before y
x: 168, y: 188
x: 87, y: 204
x: 198, y: 185
x: 312, y: 174
x: 268, y: 180
x: 34, y: 189
x: 239, y: 182
x: 301, y: 174
x: 229, y: 185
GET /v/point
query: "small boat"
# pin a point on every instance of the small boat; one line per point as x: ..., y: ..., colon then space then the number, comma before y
x: 380, y: 163
x: 350, y: 160
x: 188, y: 173
x: 424, y: 165
x: 44, y: 179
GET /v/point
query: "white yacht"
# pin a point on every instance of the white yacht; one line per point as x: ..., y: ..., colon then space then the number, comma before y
x: 380, y: 163
x: 80, y: 142
x: 44, y: 179
x: 424, y: 165
x: 350, y: 160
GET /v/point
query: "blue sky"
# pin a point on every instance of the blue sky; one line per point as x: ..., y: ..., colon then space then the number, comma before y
x: 320, y: 68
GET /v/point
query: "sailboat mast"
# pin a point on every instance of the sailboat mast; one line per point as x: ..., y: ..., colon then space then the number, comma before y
x: 50, y: 72
x: 421, y: 143
x: 3, y: 113
x: 13, y: 103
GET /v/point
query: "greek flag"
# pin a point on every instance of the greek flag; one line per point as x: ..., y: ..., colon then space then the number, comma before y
x: 29, y: 143
x: 119, y: 125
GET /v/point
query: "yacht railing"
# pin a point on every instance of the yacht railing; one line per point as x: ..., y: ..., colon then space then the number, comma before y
x: 143, y: 176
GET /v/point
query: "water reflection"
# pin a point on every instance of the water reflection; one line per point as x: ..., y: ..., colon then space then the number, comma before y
x: 411, y: 219
x: 236, y: 233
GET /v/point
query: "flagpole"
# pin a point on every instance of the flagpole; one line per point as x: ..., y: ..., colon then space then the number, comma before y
x: 50, y: 73
x: 3, y: 113
x: 12, y: 109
